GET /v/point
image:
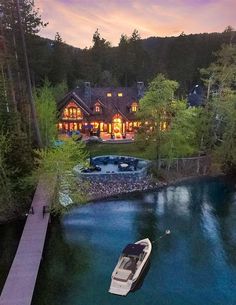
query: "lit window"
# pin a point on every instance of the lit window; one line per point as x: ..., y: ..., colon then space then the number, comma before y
x: 72, y: 113
x: 109, y: 94
x: 163, y: 126
x: 120, y: 94
x: 79, y: 114
x: 134, y: 107
x: 97, y: 108
x: 95, y: 125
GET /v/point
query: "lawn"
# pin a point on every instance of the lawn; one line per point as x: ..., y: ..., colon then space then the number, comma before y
x: 121, y: 149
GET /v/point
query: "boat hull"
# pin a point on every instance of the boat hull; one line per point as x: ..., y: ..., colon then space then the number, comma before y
x: 124, y: 280
x: 142, y: 274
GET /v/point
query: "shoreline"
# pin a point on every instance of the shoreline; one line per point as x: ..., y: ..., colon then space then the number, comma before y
x: 115, y: 190
x: 106, y: 191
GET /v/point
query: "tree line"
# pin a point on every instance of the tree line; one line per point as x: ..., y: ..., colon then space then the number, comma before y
x: 55, y: 67
x: 171, y: 129
x: 134, y: 59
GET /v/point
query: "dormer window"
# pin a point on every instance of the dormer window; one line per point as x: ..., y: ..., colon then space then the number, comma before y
x: 120, y: 94
x: 109, y: 94
x: 97, y: 108
x: 134, y: 107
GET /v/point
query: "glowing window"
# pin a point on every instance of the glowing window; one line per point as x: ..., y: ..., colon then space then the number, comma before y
x: 163, y: 126
x: 95, y: 125
x: 79, y: 114
x: 109, y: 94
x: 97, y: 108
x: 134, y: 107
x: 117, y: 120
x: 65, y: 113
x: 72, y: 113
x: 120, y: 94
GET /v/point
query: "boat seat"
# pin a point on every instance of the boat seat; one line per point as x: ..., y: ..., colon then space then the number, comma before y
x: 122, y: 274
x: 131, y: 264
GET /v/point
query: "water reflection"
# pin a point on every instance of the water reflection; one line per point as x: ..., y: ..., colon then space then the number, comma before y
x: 60, y: 268
x: 194, y: 265
x: 9, y: 239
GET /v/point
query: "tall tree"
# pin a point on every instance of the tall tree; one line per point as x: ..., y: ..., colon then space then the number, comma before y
x: 47, y: 113
x: 60, y: 61
x: 100, y: 53
x: 155, y: 108
x: 220, y: 78
x: 170, y: 129
x: 17, y: 155
x: 132, y: 61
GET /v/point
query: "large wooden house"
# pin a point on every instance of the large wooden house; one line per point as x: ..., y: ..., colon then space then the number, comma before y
x: 95, y: 110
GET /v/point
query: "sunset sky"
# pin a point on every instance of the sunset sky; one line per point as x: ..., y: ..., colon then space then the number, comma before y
x: 77, y: 20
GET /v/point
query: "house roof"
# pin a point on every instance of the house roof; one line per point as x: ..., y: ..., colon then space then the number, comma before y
x: 87, y: 97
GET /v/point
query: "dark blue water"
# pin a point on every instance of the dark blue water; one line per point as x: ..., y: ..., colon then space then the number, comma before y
x: 9, y: 239
x: 195, y: 265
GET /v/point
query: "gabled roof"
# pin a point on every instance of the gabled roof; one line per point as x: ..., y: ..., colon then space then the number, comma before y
x: 98, y: 101
x: 87, y: 97
x: 73, y: 96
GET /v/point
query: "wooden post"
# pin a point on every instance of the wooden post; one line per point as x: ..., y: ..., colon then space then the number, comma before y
x: 198, y: 165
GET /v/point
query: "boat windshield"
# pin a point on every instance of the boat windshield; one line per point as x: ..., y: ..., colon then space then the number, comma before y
x: 133, y: 250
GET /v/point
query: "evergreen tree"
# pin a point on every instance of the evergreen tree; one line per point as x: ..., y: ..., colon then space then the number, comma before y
x: 60, y: 61
x: 16, y: 150
x: 100, y: 55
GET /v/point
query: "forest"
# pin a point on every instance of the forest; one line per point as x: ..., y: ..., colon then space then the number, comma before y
x: 134, y: 59
x: 36, y: 72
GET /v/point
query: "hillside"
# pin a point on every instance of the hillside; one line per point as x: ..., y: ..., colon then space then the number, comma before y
x: 179, y: 58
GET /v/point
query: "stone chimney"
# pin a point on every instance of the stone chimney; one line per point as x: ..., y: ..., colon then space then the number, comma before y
x: 140, y: 89
x: 87, y: 91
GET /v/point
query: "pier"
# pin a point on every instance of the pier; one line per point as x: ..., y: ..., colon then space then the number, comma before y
x: 21, y: 280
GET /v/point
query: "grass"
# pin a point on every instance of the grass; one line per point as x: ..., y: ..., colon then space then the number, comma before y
x: 121, y: 149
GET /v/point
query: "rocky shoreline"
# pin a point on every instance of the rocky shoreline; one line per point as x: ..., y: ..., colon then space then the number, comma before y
x: 113, y: 187
x: 102, y: 190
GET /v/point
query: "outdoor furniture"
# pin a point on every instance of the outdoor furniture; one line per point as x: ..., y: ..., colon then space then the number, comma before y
x: 123, y: 166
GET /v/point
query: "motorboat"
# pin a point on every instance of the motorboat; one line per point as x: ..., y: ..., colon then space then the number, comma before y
x: 130, y: 266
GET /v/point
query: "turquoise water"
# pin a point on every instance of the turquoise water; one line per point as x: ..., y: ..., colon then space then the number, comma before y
x: 195, y: 265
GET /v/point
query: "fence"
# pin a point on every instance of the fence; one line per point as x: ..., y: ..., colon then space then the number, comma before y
x: 194, y: 165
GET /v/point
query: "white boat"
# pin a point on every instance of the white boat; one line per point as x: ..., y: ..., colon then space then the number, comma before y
x: 130, y: 266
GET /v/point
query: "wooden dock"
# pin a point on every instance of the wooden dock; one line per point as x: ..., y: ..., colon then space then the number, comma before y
x: 20, y: 283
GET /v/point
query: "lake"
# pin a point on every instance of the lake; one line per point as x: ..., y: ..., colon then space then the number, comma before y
x: 195, y: 265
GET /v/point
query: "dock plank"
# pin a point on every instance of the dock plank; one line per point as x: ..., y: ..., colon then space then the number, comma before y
x: 21, y: 279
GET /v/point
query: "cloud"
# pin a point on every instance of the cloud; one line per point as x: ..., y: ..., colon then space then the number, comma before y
x: 77, y: 20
